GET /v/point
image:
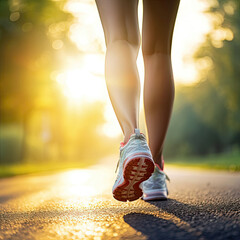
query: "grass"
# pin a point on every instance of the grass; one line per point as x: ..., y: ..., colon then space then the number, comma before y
x: 28, y: 168
x: 228, y: 162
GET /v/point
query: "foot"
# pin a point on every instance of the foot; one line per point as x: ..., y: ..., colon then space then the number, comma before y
x: 155, y: 188
x: 135, y: 166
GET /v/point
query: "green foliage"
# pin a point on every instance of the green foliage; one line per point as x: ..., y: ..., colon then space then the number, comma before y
x: 27, y: 56
x: 229, y: 162
x: 206, y: 116
x: 27, y: 60
x: 10, y: 143
x: 187, y: 133
x: 30, y: 168
x: 36, y: 123
x: 221, y: 84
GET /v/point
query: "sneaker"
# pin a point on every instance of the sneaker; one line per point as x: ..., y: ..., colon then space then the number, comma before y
x: 155, y: 188
x: 135, y: 166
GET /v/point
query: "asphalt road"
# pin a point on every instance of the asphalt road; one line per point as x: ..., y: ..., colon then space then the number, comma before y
x: 77, y: 204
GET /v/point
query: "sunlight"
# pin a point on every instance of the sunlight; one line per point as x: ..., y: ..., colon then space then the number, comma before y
x: 111, y: 128
x: 86, y: 32
x: 80, y: 86
x: 83, y: 183
x: 77, y: 183
x: 82, y: 80
x: 76, y: 84
x: 192, y: 24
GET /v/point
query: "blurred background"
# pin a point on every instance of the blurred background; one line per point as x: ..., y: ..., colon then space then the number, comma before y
x: 54, y: 106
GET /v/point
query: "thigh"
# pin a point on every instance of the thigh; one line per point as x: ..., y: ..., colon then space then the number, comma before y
x: 119, y: 20
x: 158, y: 24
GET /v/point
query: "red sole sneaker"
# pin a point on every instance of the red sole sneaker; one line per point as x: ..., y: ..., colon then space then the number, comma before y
x: 136, y: 171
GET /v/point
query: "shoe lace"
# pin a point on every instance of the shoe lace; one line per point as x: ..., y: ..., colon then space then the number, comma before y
x: 163, y: 174
x: 117, y: 165
x: 167, y: 177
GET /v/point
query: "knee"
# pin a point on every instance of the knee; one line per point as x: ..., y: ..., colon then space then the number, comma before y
x: 152, y: 48
x: 121, y: 41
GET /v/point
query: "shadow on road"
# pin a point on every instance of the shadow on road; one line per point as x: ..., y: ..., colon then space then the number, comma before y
x: 156, y: 228
x: 185, y: 221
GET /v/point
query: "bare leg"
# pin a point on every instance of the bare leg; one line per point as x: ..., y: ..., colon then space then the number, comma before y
x: 120, y: 23
x: 158, y: 24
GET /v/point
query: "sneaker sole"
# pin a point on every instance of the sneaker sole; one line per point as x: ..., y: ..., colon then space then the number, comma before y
x: 158, y: 195
x: 136, y: 171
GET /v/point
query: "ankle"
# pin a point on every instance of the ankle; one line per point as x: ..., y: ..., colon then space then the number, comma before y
x: 126, y: 138
x: 127, y: 135
x: 159, y: 161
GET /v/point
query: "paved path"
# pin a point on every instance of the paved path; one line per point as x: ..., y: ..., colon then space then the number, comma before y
x: 77, y: 204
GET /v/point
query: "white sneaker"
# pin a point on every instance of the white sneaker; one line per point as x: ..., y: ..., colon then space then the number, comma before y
x: 135, y: 166
x: 155, y: 188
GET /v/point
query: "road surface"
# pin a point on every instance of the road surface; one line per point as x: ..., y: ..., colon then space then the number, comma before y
x: 77, y: 204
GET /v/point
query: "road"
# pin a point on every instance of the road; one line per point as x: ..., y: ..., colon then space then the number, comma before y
x: 77, y: 204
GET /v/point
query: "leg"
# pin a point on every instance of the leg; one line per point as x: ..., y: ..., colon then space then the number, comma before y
x: 158, y: 24
x: 120, y: 23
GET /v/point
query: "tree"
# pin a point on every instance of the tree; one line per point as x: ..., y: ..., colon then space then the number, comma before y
x: 206, y: 116
x: 32, y: 33
x: 217, y: 97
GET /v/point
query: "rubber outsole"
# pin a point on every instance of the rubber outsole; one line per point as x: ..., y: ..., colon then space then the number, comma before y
x: 136, y: 171
x: 155, y: 196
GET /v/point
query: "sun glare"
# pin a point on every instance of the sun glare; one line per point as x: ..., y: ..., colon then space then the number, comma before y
x: 192, y: 24
x: 82, y: 80
x: 80, y: 183
x: 79, y: 85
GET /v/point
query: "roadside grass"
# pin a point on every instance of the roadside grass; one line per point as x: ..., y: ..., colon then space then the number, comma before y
x: 29, y: 168
x: 227, y: 162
